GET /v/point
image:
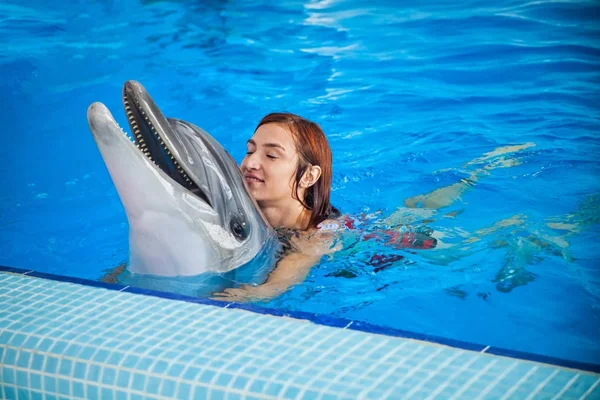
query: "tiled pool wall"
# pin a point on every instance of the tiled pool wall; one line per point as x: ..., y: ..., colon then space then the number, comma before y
x: 65, y: 338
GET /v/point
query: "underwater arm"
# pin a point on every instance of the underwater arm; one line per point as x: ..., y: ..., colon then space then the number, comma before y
x: 501, y: 157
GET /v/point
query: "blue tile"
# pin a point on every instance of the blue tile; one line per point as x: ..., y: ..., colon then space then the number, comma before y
x: 37, y: 362
x: 144, y: 364
x: 35, y: 381
x: 59, y: 347
x: 17, y: 339
x: 8, y: 375
x: 217, y: 394
x: 79, y: 370
x: 10, y: 356
x: 580, y: 386
x: 51, y: 365
x: 64, y: 387
x: 22, y: 378
x: 92, y: 391
x: 78, y: 390
x: 224, y: 379
x: 107, y: 393
x: 274, y: 389
x: 250, y: 370
x: 123, y: 378
x: 240, y: 382
x: 97, y: 341
x: 121, y: 395
x: 257, y: 386
x: 86, y: 352
x: 115, y: 358
x: 32, y: 395
x: 93, y: 373
x: 101, y: 356
x: 46, y: 330
x: 218, y: 363
x: 31, y: 342
x: 10, y: 392
x: 207, y: 376
x: 5, y: 336
x: 23, y: 360
x: 199, y: 392
x: 152, y: 385
x: 139, y: 382
x: 595, y: 394
x: 176, y: 370
x: 191, y: 373
x: 168, y: 388
x: 130, y: 361
x: 310, y: 394
x: 328, y: 397
x: 183, y: 391
x: 65, y: 367
x: 160, y: 367
x: 73, y: 350
x: 109, y: 375
x: 291, y: 392
x: 140, y: 349
x: 50, y: 384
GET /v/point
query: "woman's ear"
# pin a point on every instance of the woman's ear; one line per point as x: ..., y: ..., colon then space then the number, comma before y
x: 311, y: 176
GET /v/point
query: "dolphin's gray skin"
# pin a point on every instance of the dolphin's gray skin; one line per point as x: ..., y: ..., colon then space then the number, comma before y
x: 189, y: 210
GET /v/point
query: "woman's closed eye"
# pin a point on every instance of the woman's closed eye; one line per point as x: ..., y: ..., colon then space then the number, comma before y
x: 271, y: 156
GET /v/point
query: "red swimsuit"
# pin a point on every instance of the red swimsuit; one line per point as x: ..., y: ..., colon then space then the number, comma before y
x: 398, y: 239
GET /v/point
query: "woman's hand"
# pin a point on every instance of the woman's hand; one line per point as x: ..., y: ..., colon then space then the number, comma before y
x: 246, y: 293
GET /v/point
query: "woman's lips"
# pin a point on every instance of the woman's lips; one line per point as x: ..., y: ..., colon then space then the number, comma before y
x: 253, y: 179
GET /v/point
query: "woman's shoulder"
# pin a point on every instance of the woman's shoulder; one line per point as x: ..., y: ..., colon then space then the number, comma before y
x: 335, y: 221
x: 330, y: 225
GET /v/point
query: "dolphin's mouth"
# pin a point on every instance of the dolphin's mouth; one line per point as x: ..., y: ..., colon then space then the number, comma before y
x: 148, y: 140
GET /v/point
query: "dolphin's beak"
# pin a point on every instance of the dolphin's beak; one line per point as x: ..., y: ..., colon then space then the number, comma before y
x: 152, y: 134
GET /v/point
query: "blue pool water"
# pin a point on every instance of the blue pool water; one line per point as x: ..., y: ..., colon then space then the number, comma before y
x: 407, y: 96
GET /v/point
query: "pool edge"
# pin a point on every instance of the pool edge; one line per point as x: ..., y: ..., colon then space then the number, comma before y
x: 319, y: 320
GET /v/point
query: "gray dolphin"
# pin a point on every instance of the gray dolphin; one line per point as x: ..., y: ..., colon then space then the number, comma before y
x: 189, y: 210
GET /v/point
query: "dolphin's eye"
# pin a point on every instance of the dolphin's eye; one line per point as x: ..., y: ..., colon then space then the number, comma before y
x: 239, y: 228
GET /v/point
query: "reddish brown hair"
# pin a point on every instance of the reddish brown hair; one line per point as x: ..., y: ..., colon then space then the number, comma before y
x: 313, y: 149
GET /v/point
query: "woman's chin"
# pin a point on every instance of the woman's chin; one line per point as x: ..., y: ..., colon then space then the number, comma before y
x: 255, y: 193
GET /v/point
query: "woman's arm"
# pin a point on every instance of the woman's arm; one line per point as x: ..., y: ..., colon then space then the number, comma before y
x: 291, y: 269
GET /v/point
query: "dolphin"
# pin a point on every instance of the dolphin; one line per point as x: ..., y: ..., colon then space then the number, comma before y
x: 189, y: 210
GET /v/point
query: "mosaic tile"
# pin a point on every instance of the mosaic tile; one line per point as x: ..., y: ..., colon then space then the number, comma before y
x: 66, y: 340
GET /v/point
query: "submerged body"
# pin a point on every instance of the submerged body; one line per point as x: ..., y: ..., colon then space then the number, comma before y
x: 188, y: 207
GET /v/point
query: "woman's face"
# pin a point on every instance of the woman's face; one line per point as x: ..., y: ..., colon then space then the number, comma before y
x: 269, y: 166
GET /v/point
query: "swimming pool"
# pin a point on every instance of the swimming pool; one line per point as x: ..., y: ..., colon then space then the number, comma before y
x: 407, y: 96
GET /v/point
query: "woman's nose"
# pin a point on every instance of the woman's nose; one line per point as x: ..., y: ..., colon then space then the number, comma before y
x: 252, y: 161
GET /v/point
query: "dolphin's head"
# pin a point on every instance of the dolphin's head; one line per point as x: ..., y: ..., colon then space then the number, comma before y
x: 186, y: 201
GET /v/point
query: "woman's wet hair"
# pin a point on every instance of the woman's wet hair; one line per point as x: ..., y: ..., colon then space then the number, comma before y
x: 313, y: 149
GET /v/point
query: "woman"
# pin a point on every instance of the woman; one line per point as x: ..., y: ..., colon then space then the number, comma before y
x: 288, y: 170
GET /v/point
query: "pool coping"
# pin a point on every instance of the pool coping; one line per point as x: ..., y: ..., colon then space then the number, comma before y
x: 318, y: 319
